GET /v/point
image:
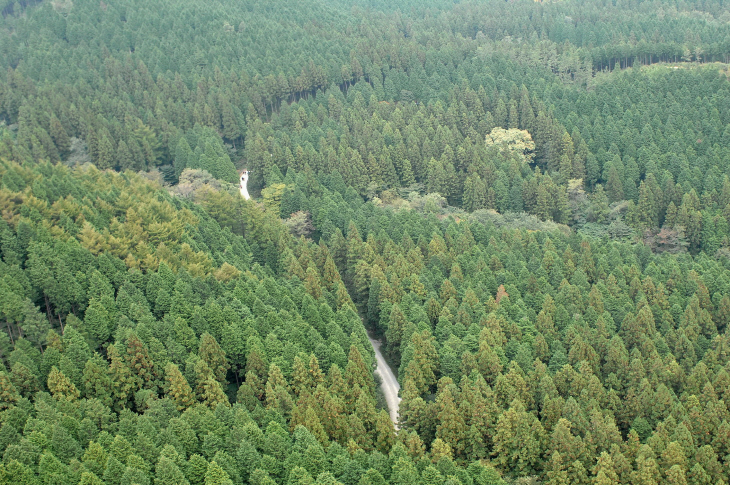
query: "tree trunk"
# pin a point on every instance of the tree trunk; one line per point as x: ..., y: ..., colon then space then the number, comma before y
x: 10, y: 332
x: 48, y: 308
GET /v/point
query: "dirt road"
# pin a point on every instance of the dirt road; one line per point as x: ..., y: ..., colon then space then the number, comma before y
x: 390, y: 384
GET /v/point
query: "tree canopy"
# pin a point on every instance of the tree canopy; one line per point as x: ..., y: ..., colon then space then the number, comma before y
x: 527, y: 202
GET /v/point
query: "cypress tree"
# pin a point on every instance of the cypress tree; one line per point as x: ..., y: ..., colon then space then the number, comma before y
x: 168, y: 473
x: 97, y: 382
x: 451, y: 427
x: 123, y: 383
x: 518, y: 442
x: 95, y: 458
x: 140, y: 363
x: 8, y: 393
x: 215, y: 475
x: 178, y: 389
x: 114, y: 471
x: 97, y: 320
x: 61, y: 386
x: 215, y: 357
x: 196, y: 470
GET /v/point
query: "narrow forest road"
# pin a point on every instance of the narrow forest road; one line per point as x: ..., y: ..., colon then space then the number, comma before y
x: 390, y: 384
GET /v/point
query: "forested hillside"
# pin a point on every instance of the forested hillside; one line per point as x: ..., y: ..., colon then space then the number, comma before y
x: 528, y: 203
x: 549, y: 354
x: 390, y: 101
x: 154, y: 316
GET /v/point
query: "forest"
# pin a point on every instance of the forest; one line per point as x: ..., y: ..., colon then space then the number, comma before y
x: 527, y: 203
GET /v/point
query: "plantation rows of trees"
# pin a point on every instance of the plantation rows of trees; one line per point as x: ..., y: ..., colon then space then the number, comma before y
x: 387, y: 108
x: 521, y: 353
x: 393, y: 111
x: 659, y: 151
x: 528, y: 203
x: 549, y: 354
x: 125, y: 368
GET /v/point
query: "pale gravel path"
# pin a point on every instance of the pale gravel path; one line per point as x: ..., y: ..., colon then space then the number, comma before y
x: 390, y: 383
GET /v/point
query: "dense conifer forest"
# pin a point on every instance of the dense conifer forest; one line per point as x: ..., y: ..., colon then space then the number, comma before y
x: 527, y: 203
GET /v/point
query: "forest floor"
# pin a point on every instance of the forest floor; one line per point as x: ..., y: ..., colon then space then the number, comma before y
x: 389, y: 384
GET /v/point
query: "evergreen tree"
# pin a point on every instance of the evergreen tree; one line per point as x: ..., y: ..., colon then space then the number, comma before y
x: 178, y: 388
x: 97, y: 382
x: 212, y: 394
x: 8, y: 393
x: 34, y: 324
x: 140, y: 363
x: 122, y: 380
x: 61, y: 386
x: 114, y: 471
x: 614, y: 187
x: 215, y: 475
x: 98, y: 322
x: 214, y: 356
x: 518, y: 442
x: 95, y: 458
x: 197, y: 470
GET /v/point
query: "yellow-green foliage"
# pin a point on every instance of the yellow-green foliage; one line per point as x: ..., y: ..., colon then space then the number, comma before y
x: 513, y: 141
x: 123, y: 214
x: 272, y: 196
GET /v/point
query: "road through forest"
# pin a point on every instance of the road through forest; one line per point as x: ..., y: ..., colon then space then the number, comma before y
x: 389, y: 383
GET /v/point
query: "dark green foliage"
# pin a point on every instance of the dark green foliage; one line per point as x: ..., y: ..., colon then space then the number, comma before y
x: 435, y: 153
